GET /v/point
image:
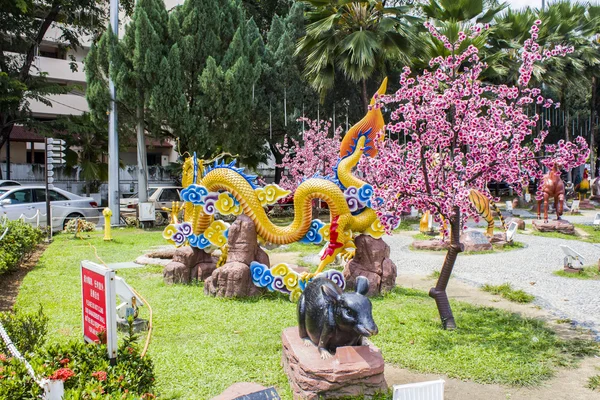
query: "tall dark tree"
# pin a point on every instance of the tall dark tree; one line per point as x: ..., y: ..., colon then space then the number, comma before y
x: 204, y: 90
x: 133, y: 63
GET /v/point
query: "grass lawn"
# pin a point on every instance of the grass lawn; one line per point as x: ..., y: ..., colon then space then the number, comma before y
x: 201, y: 345
x: 506, y: 291
x: 588, y: 273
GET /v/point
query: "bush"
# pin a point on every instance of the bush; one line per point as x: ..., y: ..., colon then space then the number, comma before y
x: 84, y: 226
x: 84, y: 368
x: 19, y: 242
x: 27, y: 331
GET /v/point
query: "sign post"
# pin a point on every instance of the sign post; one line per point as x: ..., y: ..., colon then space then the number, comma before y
x: 99, y: 306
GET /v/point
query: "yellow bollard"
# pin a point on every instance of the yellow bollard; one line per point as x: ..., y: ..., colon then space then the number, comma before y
x: 107, y: 214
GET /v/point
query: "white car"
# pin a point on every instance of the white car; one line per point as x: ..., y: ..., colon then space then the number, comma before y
x: 162, y: 196
x: 29, y: 203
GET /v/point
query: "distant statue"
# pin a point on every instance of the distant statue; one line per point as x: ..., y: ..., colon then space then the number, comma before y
x: 583, y: 187
x: 552, y: 187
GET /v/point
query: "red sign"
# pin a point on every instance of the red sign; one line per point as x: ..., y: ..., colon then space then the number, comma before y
x: 94, y: 304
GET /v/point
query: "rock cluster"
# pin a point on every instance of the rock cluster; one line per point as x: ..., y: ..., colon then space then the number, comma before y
x: 189, y: 263
x: 475, y: 241
x: 372, y: 260
x: 519, y: 221
x: 354, y: 370
x: 234, y: 279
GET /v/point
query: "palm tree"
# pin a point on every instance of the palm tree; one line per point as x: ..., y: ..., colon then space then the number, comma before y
x: 356, y: 38
x: 452, y: 17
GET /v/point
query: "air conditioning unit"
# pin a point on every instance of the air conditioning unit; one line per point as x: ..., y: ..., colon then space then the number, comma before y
x: 432, y: 390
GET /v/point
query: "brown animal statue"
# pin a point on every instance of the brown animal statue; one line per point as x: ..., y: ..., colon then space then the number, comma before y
x: 552, y: 186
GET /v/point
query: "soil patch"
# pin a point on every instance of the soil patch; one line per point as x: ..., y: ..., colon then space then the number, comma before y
x: 10, y: 282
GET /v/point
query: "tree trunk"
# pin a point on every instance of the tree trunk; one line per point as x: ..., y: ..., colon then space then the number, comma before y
x: 593, y: 129
x: 141, y: 157
x: 278, y: 160
x: 439, y: 291
x: 365, y: 96
x: 567, y: 138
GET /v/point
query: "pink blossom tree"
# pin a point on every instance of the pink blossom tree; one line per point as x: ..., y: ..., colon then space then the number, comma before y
x: 462, y: 133
x: 316, y: 154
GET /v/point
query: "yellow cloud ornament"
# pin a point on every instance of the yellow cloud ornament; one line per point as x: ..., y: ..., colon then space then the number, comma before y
x: 226, y: 205
x: 215, y: 233
x: 270, y: 194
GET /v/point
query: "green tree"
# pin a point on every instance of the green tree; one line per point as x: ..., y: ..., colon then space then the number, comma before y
x: 358, y: 39
x: 204, y: 89
x: 133, y: 63
x: 23, y: 25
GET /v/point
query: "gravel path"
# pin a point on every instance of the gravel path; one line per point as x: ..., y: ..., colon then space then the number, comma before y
x: 529, y: 269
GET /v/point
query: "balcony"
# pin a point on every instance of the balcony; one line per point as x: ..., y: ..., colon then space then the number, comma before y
x: 62, y: 104
x: 55, y: 68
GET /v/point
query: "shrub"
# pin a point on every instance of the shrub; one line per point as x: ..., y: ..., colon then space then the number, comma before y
x: 132, y: 222
x: 27, y: 331
x: 84, y: 226
x: 19, y: 242
x: 84, y: 368
x: 506, y: 291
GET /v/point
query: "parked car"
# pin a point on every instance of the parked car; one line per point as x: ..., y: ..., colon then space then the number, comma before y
x: 5, y: 182
x: 162, y: 196
x: 28, y: 201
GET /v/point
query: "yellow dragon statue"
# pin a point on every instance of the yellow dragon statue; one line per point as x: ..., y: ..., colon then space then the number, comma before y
x: 226, y: 189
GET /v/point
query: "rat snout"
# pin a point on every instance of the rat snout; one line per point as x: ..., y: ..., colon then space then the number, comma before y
x: 368, y: 330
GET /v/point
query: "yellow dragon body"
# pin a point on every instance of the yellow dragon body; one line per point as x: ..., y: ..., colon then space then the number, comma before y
x: 225, y: 189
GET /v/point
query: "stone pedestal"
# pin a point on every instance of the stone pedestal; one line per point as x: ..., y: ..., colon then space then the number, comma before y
x: 585, y: 204
x: 353, y: 371
x: 372, y: 260
x: 475, y: 241
x: 561, y: 226
x: 433, y: 244
x: 519, y: 221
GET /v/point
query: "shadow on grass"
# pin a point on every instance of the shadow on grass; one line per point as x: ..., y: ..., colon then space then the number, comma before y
x: 489, y: 346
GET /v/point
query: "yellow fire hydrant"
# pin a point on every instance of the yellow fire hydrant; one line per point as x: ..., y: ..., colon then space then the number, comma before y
x: 107, y: 214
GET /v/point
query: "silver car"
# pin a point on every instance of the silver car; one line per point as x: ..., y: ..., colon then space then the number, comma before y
x: 29, y: 203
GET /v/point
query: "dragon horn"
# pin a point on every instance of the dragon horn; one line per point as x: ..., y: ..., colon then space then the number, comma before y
x: 380, y: 91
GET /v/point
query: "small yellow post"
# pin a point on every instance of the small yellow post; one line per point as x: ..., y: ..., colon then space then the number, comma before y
x: 107, y: 214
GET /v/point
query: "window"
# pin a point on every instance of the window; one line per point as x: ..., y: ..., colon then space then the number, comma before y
x: 40, y: 195
x: 153, y: 159
x: 20, y: 196
x: 169, y: 195
x: 38, y: 157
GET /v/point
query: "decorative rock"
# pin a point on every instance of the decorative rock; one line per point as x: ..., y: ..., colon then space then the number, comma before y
x: 189, y: 256
x: 519, y: 221
x: 433, y: 245
x: 162, y: 252
x: 176, y: 272
x: 475, y: 241
x: 242, y: 241
x: 145, y: 260
x: 261, y: 256
x: 353, y: 371
x: 561, y: 225
x: 371, y: 261
x: 204, y: 268
x: 231, y: 280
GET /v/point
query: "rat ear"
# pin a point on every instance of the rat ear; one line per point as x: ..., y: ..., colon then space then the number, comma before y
x: 362, y: 285
x: 331, y: 293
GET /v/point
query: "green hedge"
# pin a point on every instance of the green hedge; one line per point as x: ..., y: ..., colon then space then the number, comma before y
x: 20, y: 240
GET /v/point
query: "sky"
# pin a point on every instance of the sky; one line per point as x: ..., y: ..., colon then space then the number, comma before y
x: 516, y: 4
